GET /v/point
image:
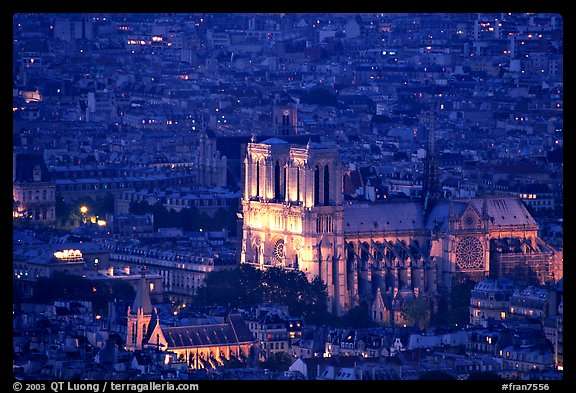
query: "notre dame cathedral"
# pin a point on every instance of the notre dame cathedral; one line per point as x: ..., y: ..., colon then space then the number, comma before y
x: 294, y: 216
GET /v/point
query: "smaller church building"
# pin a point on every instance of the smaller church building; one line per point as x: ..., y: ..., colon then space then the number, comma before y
x: 200, y: 346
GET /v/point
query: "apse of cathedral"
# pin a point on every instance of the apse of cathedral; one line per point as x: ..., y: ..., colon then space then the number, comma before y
x: 294, y: 216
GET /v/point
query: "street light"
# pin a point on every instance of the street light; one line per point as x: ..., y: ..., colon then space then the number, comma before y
x: 83, y: 210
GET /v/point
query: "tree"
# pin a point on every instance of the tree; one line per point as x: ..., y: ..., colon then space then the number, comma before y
x: 453, y: 308
x: 316, y: 309
x: 240, y: 286
x: 62, y: 211
x: 247, y: 286
x: 358, y: 317
x: 278, y: 361
x: 104, y: 205
x: 233, y: 362
x: 292, y: 288
x: 161, y: 216
x: 416, y: 311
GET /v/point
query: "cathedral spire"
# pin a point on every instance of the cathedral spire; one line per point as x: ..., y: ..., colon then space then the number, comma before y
x: 431, y: 181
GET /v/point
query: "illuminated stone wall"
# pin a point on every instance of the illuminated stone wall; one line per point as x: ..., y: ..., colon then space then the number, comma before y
x: 292, y: 211
x: 294, y: 217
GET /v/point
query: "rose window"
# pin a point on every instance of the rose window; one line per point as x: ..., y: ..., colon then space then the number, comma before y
x: 279, y: 251
x: 469, y: 253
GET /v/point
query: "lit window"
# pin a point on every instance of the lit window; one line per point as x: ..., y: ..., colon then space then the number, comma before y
x: 151, y: 287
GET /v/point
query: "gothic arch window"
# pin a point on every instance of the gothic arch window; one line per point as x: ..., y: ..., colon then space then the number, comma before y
x: 256, y: 254
x: 134, y: 333
x: 316, y: 186
x: 277, y: 188
x: 285, y: 177
x: 258, y: 178
x: 326, y: 185
x: 298, y: 183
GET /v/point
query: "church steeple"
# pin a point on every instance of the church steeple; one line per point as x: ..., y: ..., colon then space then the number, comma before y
x: 139, y: 315
x: 142, y: 302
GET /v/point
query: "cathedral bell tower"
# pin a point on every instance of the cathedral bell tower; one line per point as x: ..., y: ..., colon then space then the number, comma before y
x: 292, y: 209
x: 285, y: 119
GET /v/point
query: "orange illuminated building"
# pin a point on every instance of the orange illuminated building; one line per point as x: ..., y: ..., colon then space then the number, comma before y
x: 200, y: 346
x: 295, y: 216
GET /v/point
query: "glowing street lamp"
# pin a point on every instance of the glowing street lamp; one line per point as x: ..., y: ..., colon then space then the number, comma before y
x: 83, y: 210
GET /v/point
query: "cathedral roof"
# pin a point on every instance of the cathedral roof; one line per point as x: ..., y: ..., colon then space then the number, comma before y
x: 230, y: 146
x: 505, y: 211
x: 401, y: 215
x: 396, y: 215
x: 274, y: 141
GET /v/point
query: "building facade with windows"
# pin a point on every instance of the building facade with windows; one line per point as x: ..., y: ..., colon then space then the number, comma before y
x: 33, y: 190
x: 489, y: 300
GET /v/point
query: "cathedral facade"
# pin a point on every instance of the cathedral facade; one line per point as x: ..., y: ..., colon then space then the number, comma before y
x: 294, y: 216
